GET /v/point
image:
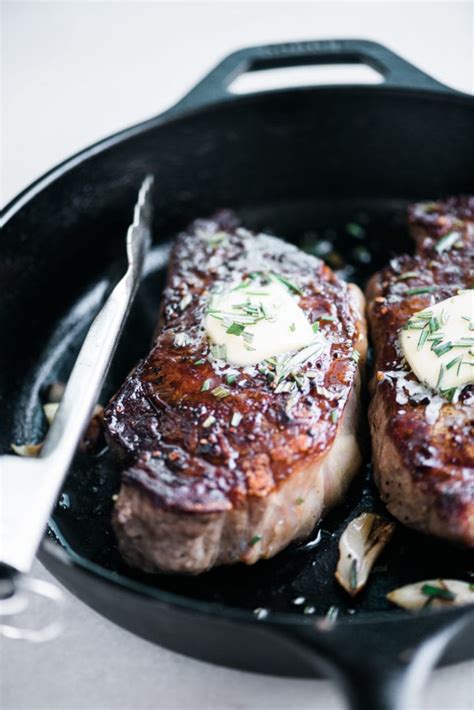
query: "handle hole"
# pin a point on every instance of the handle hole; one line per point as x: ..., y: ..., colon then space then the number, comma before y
x: 318, y: 75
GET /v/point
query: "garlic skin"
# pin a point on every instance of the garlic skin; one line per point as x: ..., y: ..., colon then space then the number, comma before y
x: 361, y: 543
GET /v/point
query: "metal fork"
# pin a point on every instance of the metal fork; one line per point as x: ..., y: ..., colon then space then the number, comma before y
x: 29, y: 487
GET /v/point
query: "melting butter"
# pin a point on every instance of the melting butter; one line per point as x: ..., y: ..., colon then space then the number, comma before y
x: 257, y: 322
x: 438, y: 343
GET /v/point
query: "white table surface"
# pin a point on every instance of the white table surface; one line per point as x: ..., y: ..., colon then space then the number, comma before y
x: 72, y: 73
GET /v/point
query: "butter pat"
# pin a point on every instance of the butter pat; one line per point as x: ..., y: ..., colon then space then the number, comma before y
x: 256, y: 322
x: 438, y: 343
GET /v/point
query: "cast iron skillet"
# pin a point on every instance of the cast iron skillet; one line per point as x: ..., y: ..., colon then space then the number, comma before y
x: 306, y: 163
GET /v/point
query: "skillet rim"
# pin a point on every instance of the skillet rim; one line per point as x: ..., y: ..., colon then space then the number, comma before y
x: 176, y: 114
x: 217, y: 609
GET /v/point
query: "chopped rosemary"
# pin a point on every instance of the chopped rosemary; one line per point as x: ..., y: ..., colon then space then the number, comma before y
x: 206, y: 385
x: 446, y: 242
x: 353, y: 580
x: 454, y: 362
x: 230, y: 379
x: 236, y: 419
x: 209, y: 421
x: 356, y: 355
x: 220, y: 392
x: 315, y: 327
x: 286, y: 282
x: 328, y: 318
x: 440, y: 376
x: 429, y: 590
x: 235, y: 329
x: 451, y: 394
x: 334, y: 416
x: 442, y: 348
x: 199, y: 362
x: 219, y: 352
x: 419, y: 289
x: 422, y: 339
x: 299, y: 501
x: 284, y: 368
x: 293, y: 327
x: 255, y: 539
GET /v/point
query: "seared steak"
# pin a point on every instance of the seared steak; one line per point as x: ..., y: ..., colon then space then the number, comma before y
x: 229, y: 464
x: 423, y: 445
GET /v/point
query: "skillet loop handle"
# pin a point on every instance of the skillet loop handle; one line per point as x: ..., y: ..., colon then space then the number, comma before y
x: 377, y: 668
x: 397, y: 72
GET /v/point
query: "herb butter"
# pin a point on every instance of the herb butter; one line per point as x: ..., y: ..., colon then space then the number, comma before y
x: 438, y: 343
x: 254, y: 322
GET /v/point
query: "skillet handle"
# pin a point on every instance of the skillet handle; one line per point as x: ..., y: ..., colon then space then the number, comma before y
x: 378, y: 668
x: 397, y: 72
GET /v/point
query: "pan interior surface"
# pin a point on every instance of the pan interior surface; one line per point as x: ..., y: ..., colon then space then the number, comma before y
x: 356, y: 237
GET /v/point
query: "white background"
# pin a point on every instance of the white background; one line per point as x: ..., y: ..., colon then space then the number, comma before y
x: 74, y: 72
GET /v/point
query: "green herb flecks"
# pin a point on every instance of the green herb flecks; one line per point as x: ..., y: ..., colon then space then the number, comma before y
x: 218, y: 352
x: 235, y: 329
x: 441, y: 592
x: 206, y: 385
x: 286, y: 282
x: 423, y: 337
x: 419, y: 290
x: 353, y: 579
x: 209, y: 421
x: 220, y: 392
x: 290, y: 363
x: 255, y: 539
x: 440, y: 376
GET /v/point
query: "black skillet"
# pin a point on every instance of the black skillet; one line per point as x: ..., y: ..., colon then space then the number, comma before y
x: 331, y: 168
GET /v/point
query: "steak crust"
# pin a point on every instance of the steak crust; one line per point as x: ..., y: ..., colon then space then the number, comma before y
x: 423, y: 445
x: 195, y: 496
